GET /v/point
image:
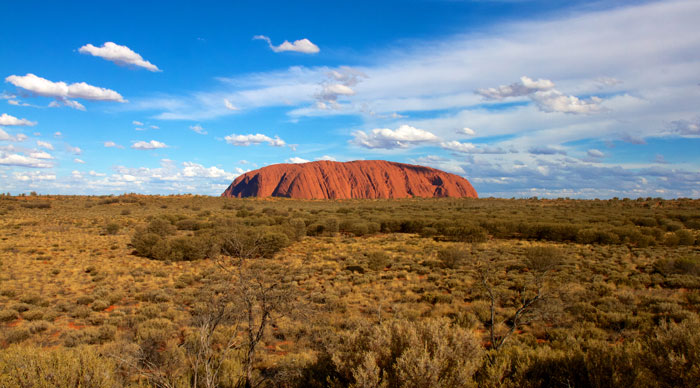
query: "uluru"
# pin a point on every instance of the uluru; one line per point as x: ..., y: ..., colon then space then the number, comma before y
x: 370, y: 179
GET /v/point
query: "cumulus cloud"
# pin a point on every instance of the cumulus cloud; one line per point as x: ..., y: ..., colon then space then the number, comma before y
x: 328, y: 158
x: 542, y: 92
x: 44, y: 144
x: 296, y: 159
x: 137, y: 123
x: 301, y: 46
x: 121, y: 55
x: 153, y: 127
x: 74, y: 150
x: 63, y: 92
x: 40, y: 155
x: 148, y: 145
x: 7, y: 159
x: 76, y: 160
x: 191, y: 169
x: 555, y: 101
x: 339, y: 83
x: 7, y: 137
x: 403, y: 137
x: 525, y: 87
x: 246, y: 140
x: 8, y: 120
x: 458, y: 147
x: 198, y: 128
x: 594, y: 153
x: 57, y: 134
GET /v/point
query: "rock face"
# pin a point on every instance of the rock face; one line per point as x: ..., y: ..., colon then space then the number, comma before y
x: 358, y: 179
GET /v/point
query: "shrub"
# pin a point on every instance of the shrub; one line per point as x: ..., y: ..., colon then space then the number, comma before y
x: 189, y: 248
x: 377, y: 260
x: 672, y: 354
x: 33, y: 315
x: 161, y: 227
x: 542, y: 258
x: 8, y: 315
x: 452, y: 257
x: 297, y: 228
x: 271, y: 243
x: 111, y: 228
x: 16, y: 335
x: 22, y: 366
x: 431, y: 353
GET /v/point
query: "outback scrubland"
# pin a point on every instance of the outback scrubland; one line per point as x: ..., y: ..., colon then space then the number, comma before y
x: 193, y: 291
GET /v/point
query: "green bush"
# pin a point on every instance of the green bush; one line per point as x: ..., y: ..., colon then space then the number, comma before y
x: 111, y: 228
x: 431, y: 353
x: 8, y: 315
x: 453, y: 257
x: 84, y: 367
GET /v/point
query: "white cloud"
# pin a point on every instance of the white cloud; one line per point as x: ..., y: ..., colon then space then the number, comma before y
x: 328, y: 158
x: 301, y: 46
x: 34, y: 176
x: 153, y: 127
x: 4, y: 135
x: 150, y: 145
x: 191, y: 169
x: 555, y: 101
x: 469, y: 148
x: 339, y: 83
x: 57, y: 134
x: 76, y: 160
x: 65, y: 102
x: 296, y: 159
x: 466, y: 131
x: 63, y: 92
x: 7, y: 137
x: 22, y: 161
x: 198, y: 128
x: 40, y: 155
x: 8, y: 120
x: 525, y: 87
x: 137, y: 123
x: 246, y: 140
x: 594, y: 153
x: 542, y: 92
x: 403, y: 137
x: 111, y: 144
x: 120, y: 55
x: 685, y: 127
x: 44, y: 144
x: 229, y: 105
x: 74, y: 150
x: 458, y: 147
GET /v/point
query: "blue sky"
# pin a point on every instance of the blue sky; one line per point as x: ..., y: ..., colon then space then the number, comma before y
x: 523, y: 98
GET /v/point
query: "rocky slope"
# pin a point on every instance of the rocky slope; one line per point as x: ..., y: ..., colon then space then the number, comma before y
x: 357, y: 179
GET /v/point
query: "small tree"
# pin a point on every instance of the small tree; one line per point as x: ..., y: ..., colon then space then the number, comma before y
x: 539, y: 262
x: 258, y: 287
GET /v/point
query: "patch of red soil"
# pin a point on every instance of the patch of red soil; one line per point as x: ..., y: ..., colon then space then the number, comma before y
x: 75, y: 326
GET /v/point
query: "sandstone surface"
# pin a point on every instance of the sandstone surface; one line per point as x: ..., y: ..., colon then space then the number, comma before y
x: 345, y: 180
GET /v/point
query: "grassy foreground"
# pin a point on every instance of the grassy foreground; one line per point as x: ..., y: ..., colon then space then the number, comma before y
x: 191, y: 291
